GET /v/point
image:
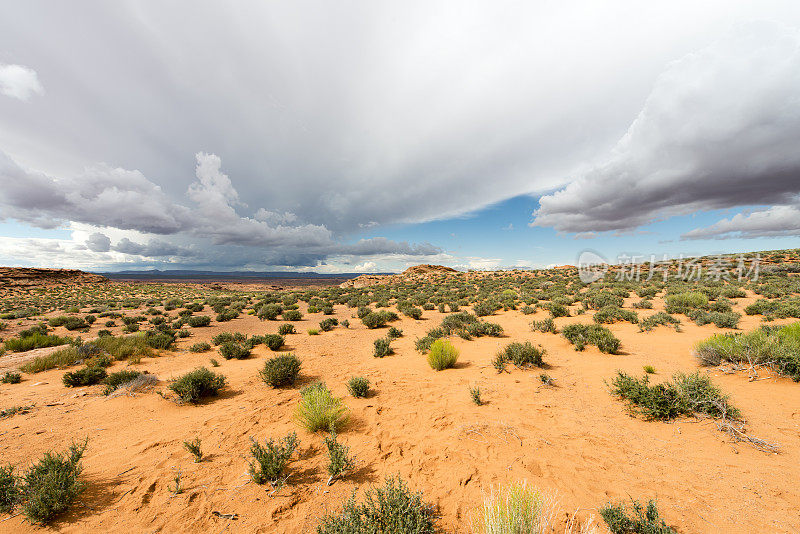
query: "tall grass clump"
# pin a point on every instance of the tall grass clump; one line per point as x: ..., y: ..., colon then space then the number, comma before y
x: 442, y: 355
x: 320, y: 410
x: 34, y: 341
x: 517, y: 508
x: 51, y: 484
x: 391, y: 508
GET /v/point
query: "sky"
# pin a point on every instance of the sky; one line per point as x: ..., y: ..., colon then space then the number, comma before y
x: 371, y: 136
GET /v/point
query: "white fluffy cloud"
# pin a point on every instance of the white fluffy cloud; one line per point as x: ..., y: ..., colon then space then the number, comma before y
x: 18, y: 81
x: 719, y: 130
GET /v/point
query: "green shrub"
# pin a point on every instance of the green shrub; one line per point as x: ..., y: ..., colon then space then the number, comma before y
x: 339, y: 459
x: 442, y: 355
x: 159, y: 340
x: 643, y: 305
x: 9, y: 489
x: 227, y: 315
x: 524, y: 354
x: 641, y: 520
x: 720, y: 319
x: 581, y: 335
x: 274, y: 341
x: 382, y: 347
x: 326, y: 325
x: 11, y: 378
x: 35, y: 341
x: 544, y: 326
x: 197, y: 321
x: 292, y: 315
x: 319, y: 409
x: 84, y: 377
x: 374, y: 320
x: 197, y: 384
x: 685, y: 302
x: 557, y: 310
x: 200, y: 347
x: 281, y: 370
x: 51, y: 484
x: 517, y: 508
x: 394, y: 333
x: 660, y: 318
x: 234, y: 350
x: 115, y: 380
x: 475, y: 395
x: 286, y: 328
x: 683, y: 395
x: 602, y: 299
x: 612, y: 314
x: 778, y: 348
x: 271, y: 459
x: 358, y: 386
x: 194, y: 448
x: 414, y: 313
x: 392, y: 508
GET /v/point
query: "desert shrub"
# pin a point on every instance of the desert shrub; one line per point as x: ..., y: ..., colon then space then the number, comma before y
x: 612, y: 314
x: 313, y: 331
x: 482, y: 328
x: 326, y: 325
x: 197, y: 384
x: 51, y: 484
x: 527, y: 310
x: 115, y: 380
x: 594, y: 334
x: 9, y: 489
x: 414, y: 313
x: 524, y: 354
x: 84, y: 377
x: 482, y: 309
x: 234, y: 350
x: 442, y: 355
x: 339, y: 459
x: 374, y: 320
x: 271, y: 459
x: 683, y: 395
x: 131, y: 328
x: 660, y: 318
x: 358, y: 386
x: 602, y: 299
x: 292, y: 315
x: 392, y: 508
x: 557, y: 310
x: 197, y: 321
x: 685, y: 302
x: 274, y: 341
x: 720, y: 319
x: 182, y: 333
x: 286, y: 328
x: 194, y: 448
x: 643, y: 305
x: 224, y: 337
x: 227, y: 315
x: 545, y: 325
x: 517, y: 508
x: 159, y: 340
x: 382, y: 347
x: 394, y: 333
x: 475, y: 395
x: 269, y: 312
x: 642, y: 520
x: 11, y: 378
x: 35, y: 341
x: 104, y: 333
x: 281, y: 370
x: 319, y: 409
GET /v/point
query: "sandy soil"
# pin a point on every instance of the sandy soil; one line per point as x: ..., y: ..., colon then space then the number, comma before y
x: 573, y: 439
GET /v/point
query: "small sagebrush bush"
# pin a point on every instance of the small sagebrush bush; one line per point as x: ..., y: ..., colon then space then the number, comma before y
x: 544, y: 326
x: 642, y: 520
x: 683, y: 395
x: 660, y: 318
x: 319, y: 409
x: 292, y: 315
x: 9, y: 489
x: 200, y: 347
x: 84, y: 377
x: 281, y: 370
x: 274, y: 341
x: 475, y: 395
x: 326, y: 325
x: 197, y: 384
x: 581, y: 335
x: 286, y: 328
x: 271, y: 459
x: 194, y: 449
x: 197, y: 321
x: 339, y: 459
x: 51, y: 484
x: 524, y: 354
x: 358, y: 386
x: 233, y: 350
x: 685, y: 302
x: 115, y: 380
x: 11, y: 378
x: 517, y: 508
x: 269, y: 312
x: 442, y: 355
x: 382, y: 347
x: 394, y: 333
x: 612, y: 314
x: 392, y: 508
x: 374, y: 320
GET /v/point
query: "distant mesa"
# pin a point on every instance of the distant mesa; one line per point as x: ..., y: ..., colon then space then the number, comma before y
x: 366, y: 280
x: 28, y: 276
x: 428, y: 269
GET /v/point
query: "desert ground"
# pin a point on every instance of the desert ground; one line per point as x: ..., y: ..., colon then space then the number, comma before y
x: 569, y: 436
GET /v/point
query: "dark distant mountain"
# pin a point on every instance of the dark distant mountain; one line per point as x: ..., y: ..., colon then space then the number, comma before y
x: 172, y: 274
